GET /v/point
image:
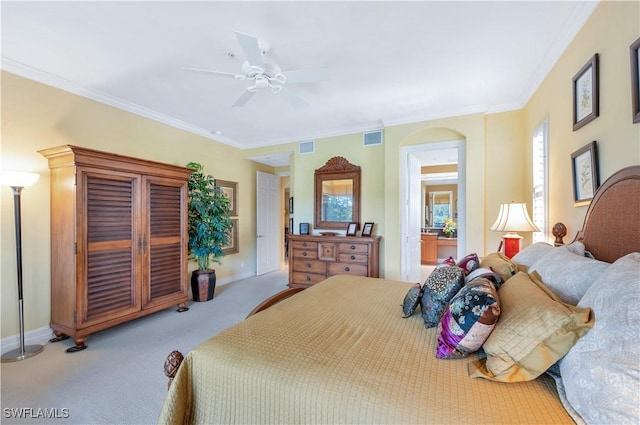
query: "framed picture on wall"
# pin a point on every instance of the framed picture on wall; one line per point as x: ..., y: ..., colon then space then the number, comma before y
x: 635, y: 79
x: 584, y: 166
x: 585, y: 94
x: 291, y: 205
x: 232, y: 246
x: 291, y: 226
x: 230, y: 190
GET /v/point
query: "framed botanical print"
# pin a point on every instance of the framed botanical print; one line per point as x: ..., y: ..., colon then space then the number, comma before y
x: 352, y: 228
x: 367, y: 229
x: 584, y: 166
x: 585, y: 94
x: 230, y: 190
x: 232, y: 246
x: 635, y: 79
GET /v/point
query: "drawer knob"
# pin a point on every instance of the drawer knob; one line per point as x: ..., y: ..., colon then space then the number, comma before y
x: 353, y: 257
x: 304, y: 254
x: 308, y: 278
x: 308, y: 265
x: 353, y: 247
x: 346, y: 269
x: 304, y: 244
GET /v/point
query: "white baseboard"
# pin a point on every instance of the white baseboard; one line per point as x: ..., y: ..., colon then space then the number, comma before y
x: 36, y: 336
x: 42, y: 335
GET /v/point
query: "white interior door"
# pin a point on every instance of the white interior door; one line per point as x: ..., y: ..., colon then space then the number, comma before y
x: 411, y: 212
x: 267, y: 223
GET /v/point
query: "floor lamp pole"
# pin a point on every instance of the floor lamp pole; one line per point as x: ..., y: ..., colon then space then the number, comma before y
x: 23, y: 352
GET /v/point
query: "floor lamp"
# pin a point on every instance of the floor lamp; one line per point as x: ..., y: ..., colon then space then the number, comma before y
x: 17, y: 181
x: 513, y: 218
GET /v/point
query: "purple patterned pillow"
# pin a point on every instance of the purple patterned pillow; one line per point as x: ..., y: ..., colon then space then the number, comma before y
x: 469, y: 263
x: 468, y: 319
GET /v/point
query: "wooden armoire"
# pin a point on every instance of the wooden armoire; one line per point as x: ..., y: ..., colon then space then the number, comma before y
x: 118, y: 239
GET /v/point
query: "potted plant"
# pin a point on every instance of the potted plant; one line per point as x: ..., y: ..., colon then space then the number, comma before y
x: 449, y: 227
x: 209, y: 229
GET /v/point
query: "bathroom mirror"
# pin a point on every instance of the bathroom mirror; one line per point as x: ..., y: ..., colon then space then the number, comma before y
x: 337, y: 194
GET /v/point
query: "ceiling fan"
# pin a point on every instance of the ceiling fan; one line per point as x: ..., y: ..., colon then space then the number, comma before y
x: 264, y: 73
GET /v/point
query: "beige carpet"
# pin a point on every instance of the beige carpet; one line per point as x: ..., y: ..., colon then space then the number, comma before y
x: 119, y: 379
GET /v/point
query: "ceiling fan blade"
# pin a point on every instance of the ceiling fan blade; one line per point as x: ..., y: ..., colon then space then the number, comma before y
x: 293, y: 99
x: 307, y: 75
x: 218, y: 73
x: 251, y: 49
x: 244, y: 98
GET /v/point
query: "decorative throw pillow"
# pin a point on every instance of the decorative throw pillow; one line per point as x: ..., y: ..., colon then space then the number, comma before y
x: 448, y: 262
x: 601, y: 372
x: 568, y: 275
x: 485, y: 273
x: 535, y: 330
x: 499, y: 263
x: 468, y: 319
x: 441, y: 285
x: 469, y: 263
x: 411, y: 300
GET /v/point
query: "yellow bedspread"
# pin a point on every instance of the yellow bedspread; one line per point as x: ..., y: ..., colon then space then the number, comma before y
x: 340, y: 352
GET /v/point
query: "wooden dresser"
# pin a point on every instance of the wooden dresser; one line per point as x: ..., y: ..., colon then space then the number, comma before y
x: 118, y: 239
x: 313, y: 258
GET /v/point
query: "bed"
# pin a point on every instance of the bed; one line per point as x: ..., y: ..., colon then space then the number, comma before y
x: 342, y: 352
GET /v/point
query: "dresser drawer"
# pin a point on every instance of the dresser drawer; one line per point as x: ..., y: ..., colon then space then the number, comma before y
x: 311, y: 254
x: 306, y: 279
x: 305, y: 245
x: 347, y: 268
x: 353, y: 258
x: 309, y: 266
x: 354, y: 248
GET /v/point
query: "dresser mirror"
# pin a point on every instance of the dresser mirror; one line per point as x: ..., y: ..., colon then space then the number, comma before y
x: 337, y: 194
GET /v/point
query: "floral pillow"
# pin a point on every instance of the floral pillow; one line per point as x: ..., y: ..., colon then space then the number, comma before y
x: 411, y: 300
x: 441, y: 285
x: 468, y: 319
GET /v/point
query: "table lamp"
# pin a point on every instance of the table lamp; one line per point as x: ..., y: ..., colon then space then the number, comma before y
x: 17, y: 181
x: 513, y: 218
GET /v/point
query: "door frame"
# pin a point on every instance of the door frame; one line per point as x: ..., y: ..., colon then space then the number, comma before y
x: 405, y: 202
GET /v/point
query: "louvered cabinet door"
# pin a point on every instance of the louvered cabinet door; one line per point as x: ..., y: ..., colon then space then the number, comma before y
x: 165, y: 260
x: 108, y: 236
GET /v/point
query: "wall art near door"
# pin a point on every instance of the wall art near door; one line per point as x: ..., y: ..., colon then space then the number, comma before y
x: 230, y: 190
x: 584, y: 165
x: 585, y: 94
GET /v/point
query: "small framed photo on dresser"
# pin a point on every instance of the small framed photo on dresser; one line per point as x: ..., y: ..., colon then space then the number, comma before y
x: 367, y: 229
x: 352, y: 229
x: 304, y: 228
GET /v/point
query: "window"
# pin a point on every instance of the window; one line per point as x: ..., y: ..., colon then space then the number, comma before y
x: 540, y: 187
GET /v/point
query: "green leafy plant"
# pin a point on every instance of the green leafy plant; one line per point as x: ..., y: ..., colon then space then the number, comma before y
x: 449, y: 227
x: 209, y: 222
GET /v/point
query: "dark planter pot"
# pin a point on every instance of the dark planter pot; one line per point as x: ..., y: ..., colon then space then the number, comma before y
x: 203, y: 284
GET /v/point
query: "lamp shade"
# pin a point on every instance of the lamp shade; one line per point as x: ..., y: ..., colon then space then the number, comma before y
x: 19, y: 178
x: 514, y: 218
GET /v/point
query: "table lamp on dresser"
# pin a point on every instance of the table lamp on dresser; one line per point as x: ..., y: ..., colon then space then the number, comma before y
x: 513, y: 218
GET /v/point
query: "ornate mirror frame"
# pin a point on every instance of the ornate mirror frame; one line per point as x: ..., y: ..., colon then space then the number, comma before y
x: 337, y: 168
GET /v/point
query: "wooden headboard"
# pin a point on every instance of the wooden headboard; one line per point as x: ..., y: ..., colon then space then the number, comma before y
x: 612, y: 225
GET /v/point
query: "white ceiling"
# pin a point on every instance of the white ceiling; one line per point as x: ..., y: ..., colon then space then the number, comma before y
x: 390, y: 62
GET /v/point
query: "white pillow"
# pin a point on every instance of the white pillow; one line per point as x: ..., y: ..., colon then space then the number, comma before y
x: 601, y: 373
x: 568, y: 275
x: 535, y: 251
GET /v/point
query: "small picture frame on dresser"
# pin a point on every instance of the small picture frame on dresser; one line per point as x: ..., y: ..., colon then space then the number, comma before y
x: 367, y: 229
x: 304, y: 228
x: 352, y: 229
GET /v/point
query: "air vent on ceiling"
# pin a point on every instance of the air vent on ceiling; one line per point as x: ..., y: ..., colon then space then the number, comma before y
x: 372, y: 138
x: 307, y: 146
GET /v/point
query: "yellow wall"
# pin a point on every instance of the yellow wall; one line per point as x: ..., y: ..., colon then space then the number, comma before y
x: 36, y: 116
x: 610, y: 30
x: 498, y: 157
